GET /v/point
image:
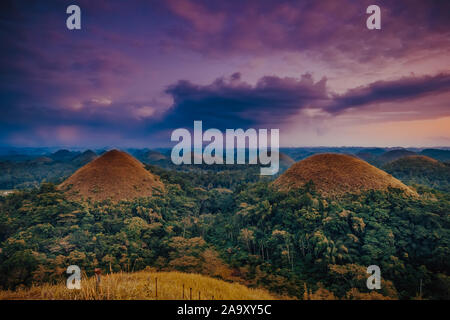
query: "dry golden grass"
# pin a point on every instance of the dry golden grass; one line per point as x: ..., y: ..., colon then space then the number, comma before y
x: 141, y: 286
x: 338, y: 174
x: 115, y: 175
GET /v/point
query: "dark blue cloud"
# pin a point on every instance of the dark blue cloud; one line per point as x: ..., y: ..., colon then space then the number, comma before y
x: 229, y: 102
x: 395, y: 90
x: 232, y: 103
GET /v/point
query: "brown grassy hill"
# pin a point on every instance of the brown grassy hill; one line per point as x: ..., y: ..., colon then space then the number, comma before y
x: 115, y: 175
x: 438, y: 154
x: 285, y: 160
x: 153, y: 156
x: 394, y: 155
x: 419, y: 159
x: 150, y: 156
x: 338, y: 174
x: 85, y: 158
x: 421, y: 170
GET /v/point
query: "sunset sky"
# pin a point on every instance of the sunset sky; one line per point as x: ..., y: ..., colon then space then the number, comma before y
x: 139, y: 69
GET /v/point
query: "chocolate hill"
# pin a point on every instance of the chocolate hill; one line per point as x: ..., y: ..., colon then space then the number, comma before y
x: 153, y: 156
x: 85, y: 158
x: 442, y: 155
x: 421, y: 170
x: 338, y: 174
x: 285, y: 160
x: 394, y: 155
x: 150, y: 156
x: 115, y: 175
x: 418, y: 160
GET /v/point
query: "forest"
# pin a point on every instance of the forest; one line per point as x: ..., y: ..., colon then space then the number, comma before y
x: 233, y: 225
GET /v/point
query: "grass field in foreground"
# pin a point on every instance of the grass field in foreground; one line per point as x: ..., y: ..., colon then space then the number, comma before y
x: 141, y: 286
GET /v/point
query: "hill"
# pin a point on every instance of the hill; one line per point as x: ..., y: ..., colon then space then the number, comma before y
x: 371, y: 155
x: 285, y: 160
x: 35, y: 170
x: 442, y: 155
x: 421, y: 170
x: 368, y: 157
x: 394, y: 155
x: 373, y: 151
x: 115, y: 175
x: 40, y: 160
x: 153, y: 156
x: 419, y: 160
x: 141, y: 286
x: 84, y: 158
x: 31, y: 173
x: 63, y: 155
x: 338, y: 174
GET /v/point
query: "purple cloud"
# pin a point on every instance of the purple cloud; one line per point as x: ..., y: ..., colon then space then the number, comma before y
x: 230, y: 101
x: 272, y: 101
x: 324, y: 27
x: 120, y: 73
x: 406, y: 88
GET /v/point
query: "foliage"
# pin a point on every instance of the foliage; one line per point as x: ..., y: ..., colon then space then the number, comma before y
x: 294, y: 243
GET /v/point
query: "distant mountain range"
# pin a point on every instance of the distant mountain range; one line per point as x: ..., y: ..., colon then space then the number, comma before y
x: 28, y: 167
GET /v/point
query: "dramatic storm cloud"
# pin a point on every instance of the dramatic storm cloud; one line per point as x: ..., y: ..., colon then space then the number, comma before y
x: 272, y: 101
x: 406, y: 89
x: 230, y: 101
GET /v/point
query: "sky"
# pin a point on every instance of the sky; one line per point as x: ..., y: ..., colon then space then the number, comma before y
x: 137, y: 70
